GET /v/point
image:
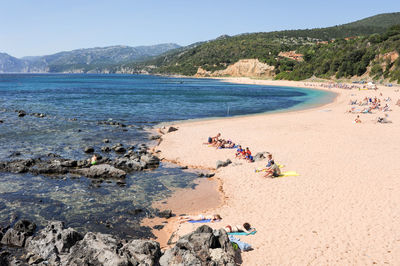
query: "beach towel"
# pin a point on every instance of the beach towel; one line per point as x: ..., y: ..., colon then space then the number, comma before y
x: 202, y: 221
x: 242, y: 233
x: 289, y: 173
x: 242, y: 245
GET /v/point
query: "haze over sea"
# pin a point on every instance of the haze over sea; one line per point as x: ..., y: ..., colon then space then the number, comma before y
x: 74, y: 105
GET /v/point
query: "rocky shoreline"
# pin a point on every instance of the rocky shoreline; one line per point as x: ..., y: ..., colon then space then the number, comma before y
x: 56, y: 245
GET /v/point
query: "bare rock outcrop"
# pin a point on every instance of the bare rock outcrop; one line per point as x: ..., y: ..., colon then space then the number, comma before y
x: 242, y: 68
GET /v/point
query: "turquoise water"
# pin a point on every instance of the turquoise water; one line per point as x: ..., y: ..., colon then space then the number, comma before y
x: 75, y: 104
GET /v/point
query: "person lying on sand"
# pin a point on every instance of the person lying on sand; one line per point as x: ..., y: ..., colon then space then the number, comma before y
x: 384, y: 119
x: 200, y: 217
x: 357, y: 120
x: 239, y: 228
x: 273, y: 170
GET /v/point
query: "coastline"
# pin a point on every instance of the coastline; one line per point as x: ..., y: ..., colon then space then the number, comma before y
x: 175, y: 147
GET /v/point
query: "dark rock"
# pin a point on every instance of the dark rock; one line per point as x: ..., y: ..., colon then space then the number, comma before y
x: 14, y: 238
x: 105, y: 149
x: 135, y: 211
x: 171, y: 129
x: 209, y: 175
x: 103, y: 249
x: 155, y: 137
x: 200, y: 175
x: 53, y: 155
x: 101, y: 171
x: 151, y: 161
x: 69, y: 163
x: 165, y: 214
x: 120, y: 149
x: 223, y: 163
x: 158, y: 227
x: 89, y: 150
x: 184, y: 167
x: 83, y: 163
x: 15, y: 154
x: 1, y: 121
x: 128, y: 164
x: 260, y: 156
x: 106, y: 140
x: 21, y: 113
x: 25, y: 226
x: 202, y: 247
x: 52, y: 241
x: 5, y: 258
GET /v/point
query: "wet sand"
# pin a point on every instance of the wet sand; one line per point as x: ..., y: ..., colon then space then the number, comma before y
x: 344, y: 207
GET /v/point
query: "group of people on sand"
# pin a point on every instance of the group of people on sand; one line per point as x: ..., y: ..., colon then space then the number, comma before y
x: 221, y: 143
x: 370, y: 104
x: 244, y: 154
x: 246, y: 227
x: 334, y: 85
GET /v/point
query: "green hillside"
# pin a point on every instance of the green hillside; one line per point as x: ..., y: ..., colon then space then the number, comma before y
x: 219, y: 53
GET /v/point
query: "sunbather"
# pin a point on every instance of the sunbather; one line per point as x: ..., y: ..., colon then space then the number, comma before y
x: 357, y: 120
x: 200, y: 217
x: 239, y: 228
x: 384, y: 120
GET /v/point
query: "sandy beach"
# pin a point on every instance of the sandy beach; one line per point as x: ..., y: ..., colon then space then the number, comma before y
x: 343, y: 208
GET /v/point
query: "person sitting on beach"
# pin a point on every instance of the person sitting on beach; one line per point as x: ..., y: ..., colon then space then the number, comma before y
x: 357, y: 120
x: 93, y: 160
x: 239, y: 151
x: 273, y: 170
x: 200, y: 217
x: 269, y: 160
x: 248, y: 156
x: 239, y: 228
x: 213, y: 140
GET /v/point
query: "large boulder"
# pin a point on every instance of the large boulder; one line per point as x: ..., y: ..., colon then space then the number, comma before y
x: 103, y: 249
x: 25, y: 226
x: 14, y: 238
x: 128, y: 164
x: 202, y: 247
x: 150, y: 161
x: 52, y: 241
x: 220, y: 164
x: 101, y: 171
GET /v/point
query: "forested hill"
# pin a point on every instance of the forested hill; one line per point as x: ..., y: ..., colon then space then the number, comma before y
x: 321, y: 46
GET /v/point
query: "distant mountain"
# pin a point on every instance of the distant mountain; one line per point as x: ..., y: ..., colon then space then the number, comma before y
x: 82, y: 60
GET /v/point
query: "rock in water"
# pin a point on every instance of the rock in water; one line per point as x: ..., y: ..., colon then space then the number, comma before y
x: 89, y: 150
x: 102, y: 171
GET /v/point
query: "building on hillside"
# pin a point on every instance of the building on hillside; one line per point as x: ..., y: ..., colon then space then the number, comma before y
x: 291, y: 55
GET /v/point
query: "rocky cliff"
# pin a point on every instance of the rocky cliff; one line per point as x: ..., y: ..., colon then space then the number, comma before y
x: 242, y: 68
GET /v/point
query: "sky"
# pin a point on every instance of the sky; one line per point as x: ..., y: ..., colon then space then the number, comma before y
x: 40, y: 27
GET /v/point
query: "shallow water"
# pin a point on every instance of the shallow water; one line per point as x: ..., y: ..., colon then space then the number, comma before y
x: 139, y: 102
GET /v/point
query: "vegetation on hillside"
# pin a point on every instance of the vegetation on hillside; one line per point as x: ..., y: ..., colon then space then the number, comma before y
x: 338, y: 58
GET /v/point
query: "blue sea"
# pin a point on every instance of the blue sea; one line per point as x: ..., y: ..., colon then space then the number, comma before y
x: 74, y: 105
